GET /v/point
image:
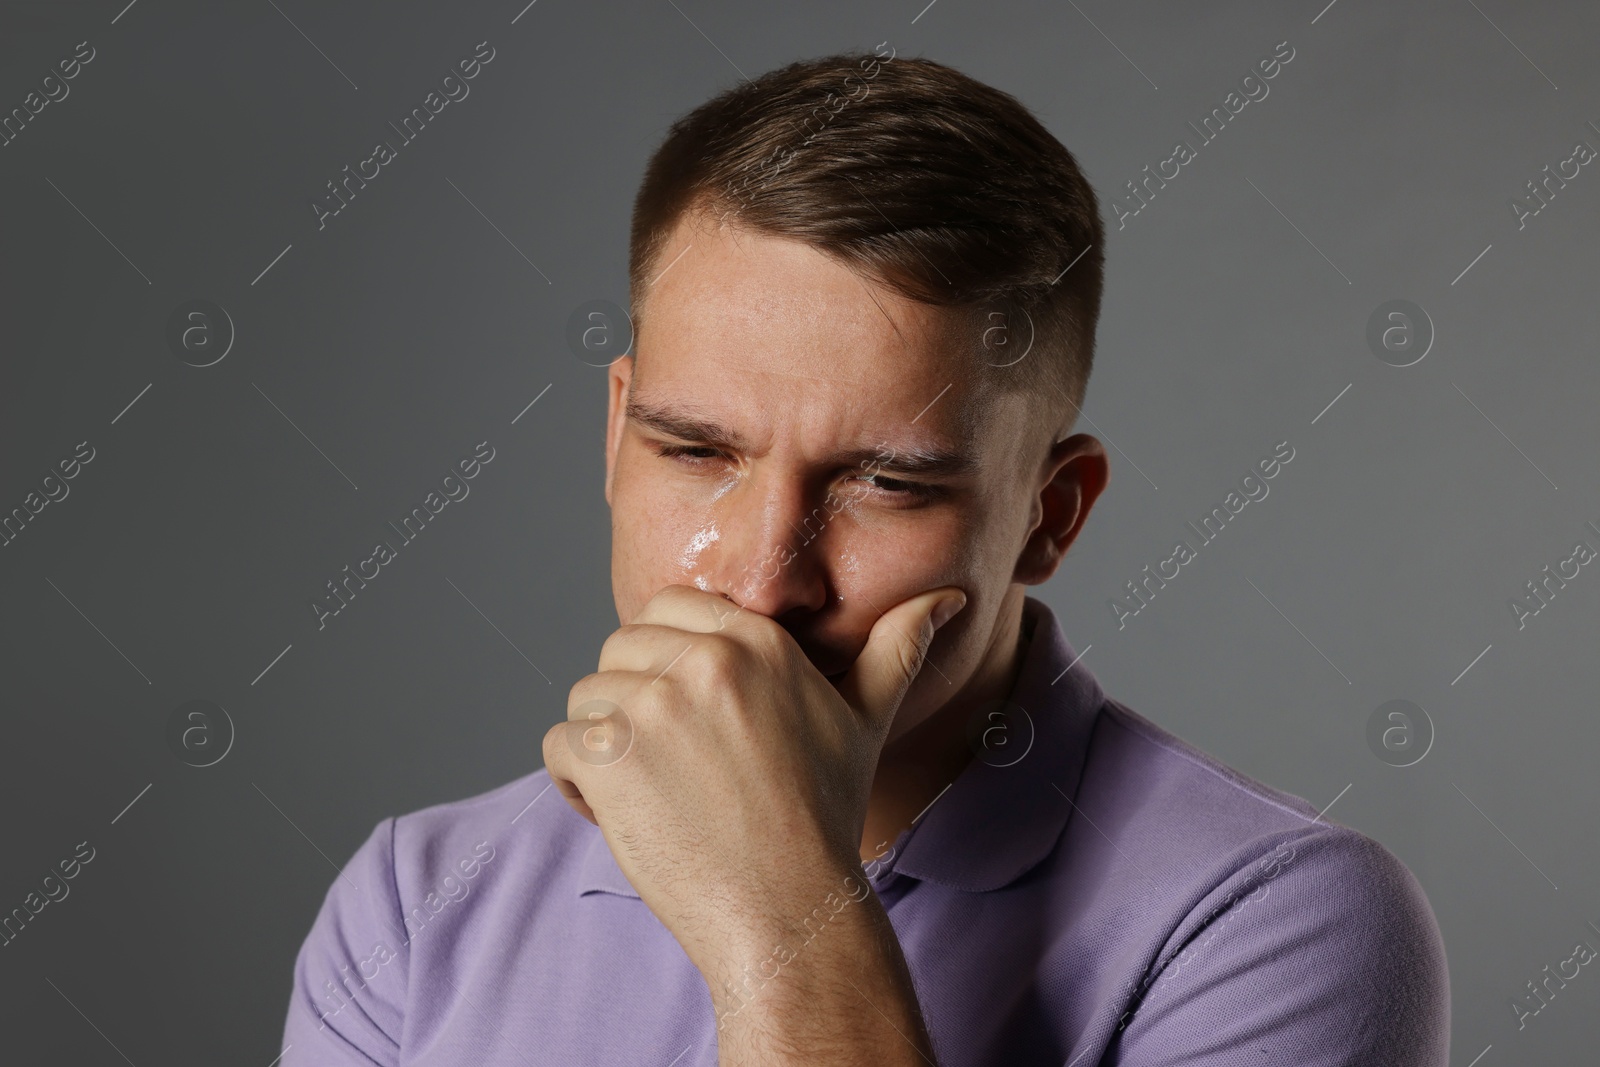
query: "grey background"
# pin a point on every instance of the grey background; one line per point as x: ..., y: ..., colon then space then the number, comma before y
x: 416, y: 325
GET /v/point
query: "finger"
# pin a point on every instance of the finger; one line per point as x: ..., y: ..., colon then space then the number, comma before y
x: 647, y: 648
x: 558, y: 760
x: 594, y: 692
x: 895, y: 651
x: 597, y: 733
x: 688, y: 608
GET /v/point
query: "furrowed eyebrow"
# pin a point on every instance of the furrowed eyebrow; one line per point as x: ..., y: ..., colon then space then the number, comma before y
x: 913, y: 460
x: 926, y: 462
x: 686, y: 425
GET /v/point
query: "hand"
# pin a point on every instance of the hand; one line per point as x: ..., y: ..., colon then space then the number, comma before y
x: 729, y: 777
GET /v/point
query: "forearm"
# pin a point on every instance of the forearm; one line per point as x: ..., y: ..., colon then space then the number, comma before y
x: 835, y: 992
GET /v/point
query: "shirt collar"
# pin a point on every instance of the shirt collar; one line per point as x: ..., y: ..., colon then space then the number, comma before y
x: 1008, y: 806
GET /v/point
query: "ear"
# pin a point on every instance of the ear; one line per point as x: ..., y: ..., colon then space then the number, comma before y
x: 1075, y: 473
x: 619, y: 376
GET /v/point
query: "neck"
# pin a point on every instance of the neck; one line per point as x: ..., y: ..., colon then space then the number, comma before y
x: 916, y: 767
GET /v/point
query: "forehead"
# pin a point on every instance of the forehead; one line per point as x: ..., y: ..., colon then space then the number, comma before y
x: 775, y: 332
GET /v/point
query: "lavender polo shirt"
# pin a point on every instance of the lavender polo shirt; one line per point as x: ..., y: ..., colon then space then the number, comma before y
x: 1115, y: 896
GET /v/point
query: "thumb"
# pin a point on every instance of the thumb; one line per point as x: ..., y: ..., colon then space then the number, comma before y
x: 895, y: 651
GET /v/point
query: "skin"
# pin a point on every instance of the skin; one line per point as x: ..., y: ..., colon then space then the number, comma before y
x: 788, y: 705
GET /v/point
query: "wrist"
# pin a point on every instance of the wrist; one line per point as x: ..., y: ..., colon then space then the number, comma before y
x: 796, y: 942
x: 832, y: 987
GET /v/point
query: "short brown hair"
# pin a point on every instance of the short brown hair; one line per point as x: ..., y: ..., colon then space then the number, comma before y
x: 943, y: 189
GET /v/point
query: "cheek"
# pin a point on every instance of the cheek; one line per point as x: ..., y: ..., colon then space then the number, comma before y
x: 658, y: 537
x: 885, y: 562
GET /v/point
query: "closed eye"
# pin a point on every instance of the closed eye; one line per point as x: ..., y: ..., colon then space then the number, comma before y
x: 688, y: 452
x: 699, y: 456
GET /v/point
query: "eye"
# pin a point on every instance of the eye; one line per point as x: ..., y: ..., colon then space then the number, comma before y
x: 900, y: 488
x: 692, y: 455
x: 884, y: 488
x: 892, y: 485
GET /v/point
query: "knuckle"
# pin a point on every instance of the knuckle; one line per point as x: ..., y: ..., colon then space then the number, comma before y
x: 715, y: 658
x: 652, y: 700
x: 551, y: 744
x: 579, y: 692
x: 909, y: 657
x: 770, y: 638
x: 620, y: 639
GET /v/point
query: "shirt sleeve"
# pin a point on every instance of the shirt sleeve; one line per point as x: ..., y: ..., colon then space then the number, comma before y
x: 1322, y: 953
x: 347, y: 1005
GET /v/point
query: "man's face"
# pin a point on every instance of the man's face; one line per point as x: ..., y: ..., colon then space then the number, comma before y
x: 771, y: 442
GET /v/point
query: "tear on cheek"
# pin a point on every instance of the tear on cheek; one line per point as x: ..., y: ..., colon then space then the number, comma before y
x: 690, y: 556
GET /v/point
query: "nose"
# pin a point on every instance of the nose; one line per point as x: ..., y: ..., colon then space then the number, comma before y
x: 771, y: 558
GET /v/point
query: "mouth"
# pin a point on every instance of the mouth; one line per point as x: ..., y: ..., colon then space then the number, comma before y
x: 823, y: 658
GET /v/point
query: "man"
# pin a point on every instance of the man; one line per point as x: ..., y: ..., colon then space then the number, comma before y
x: 838, y: 792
